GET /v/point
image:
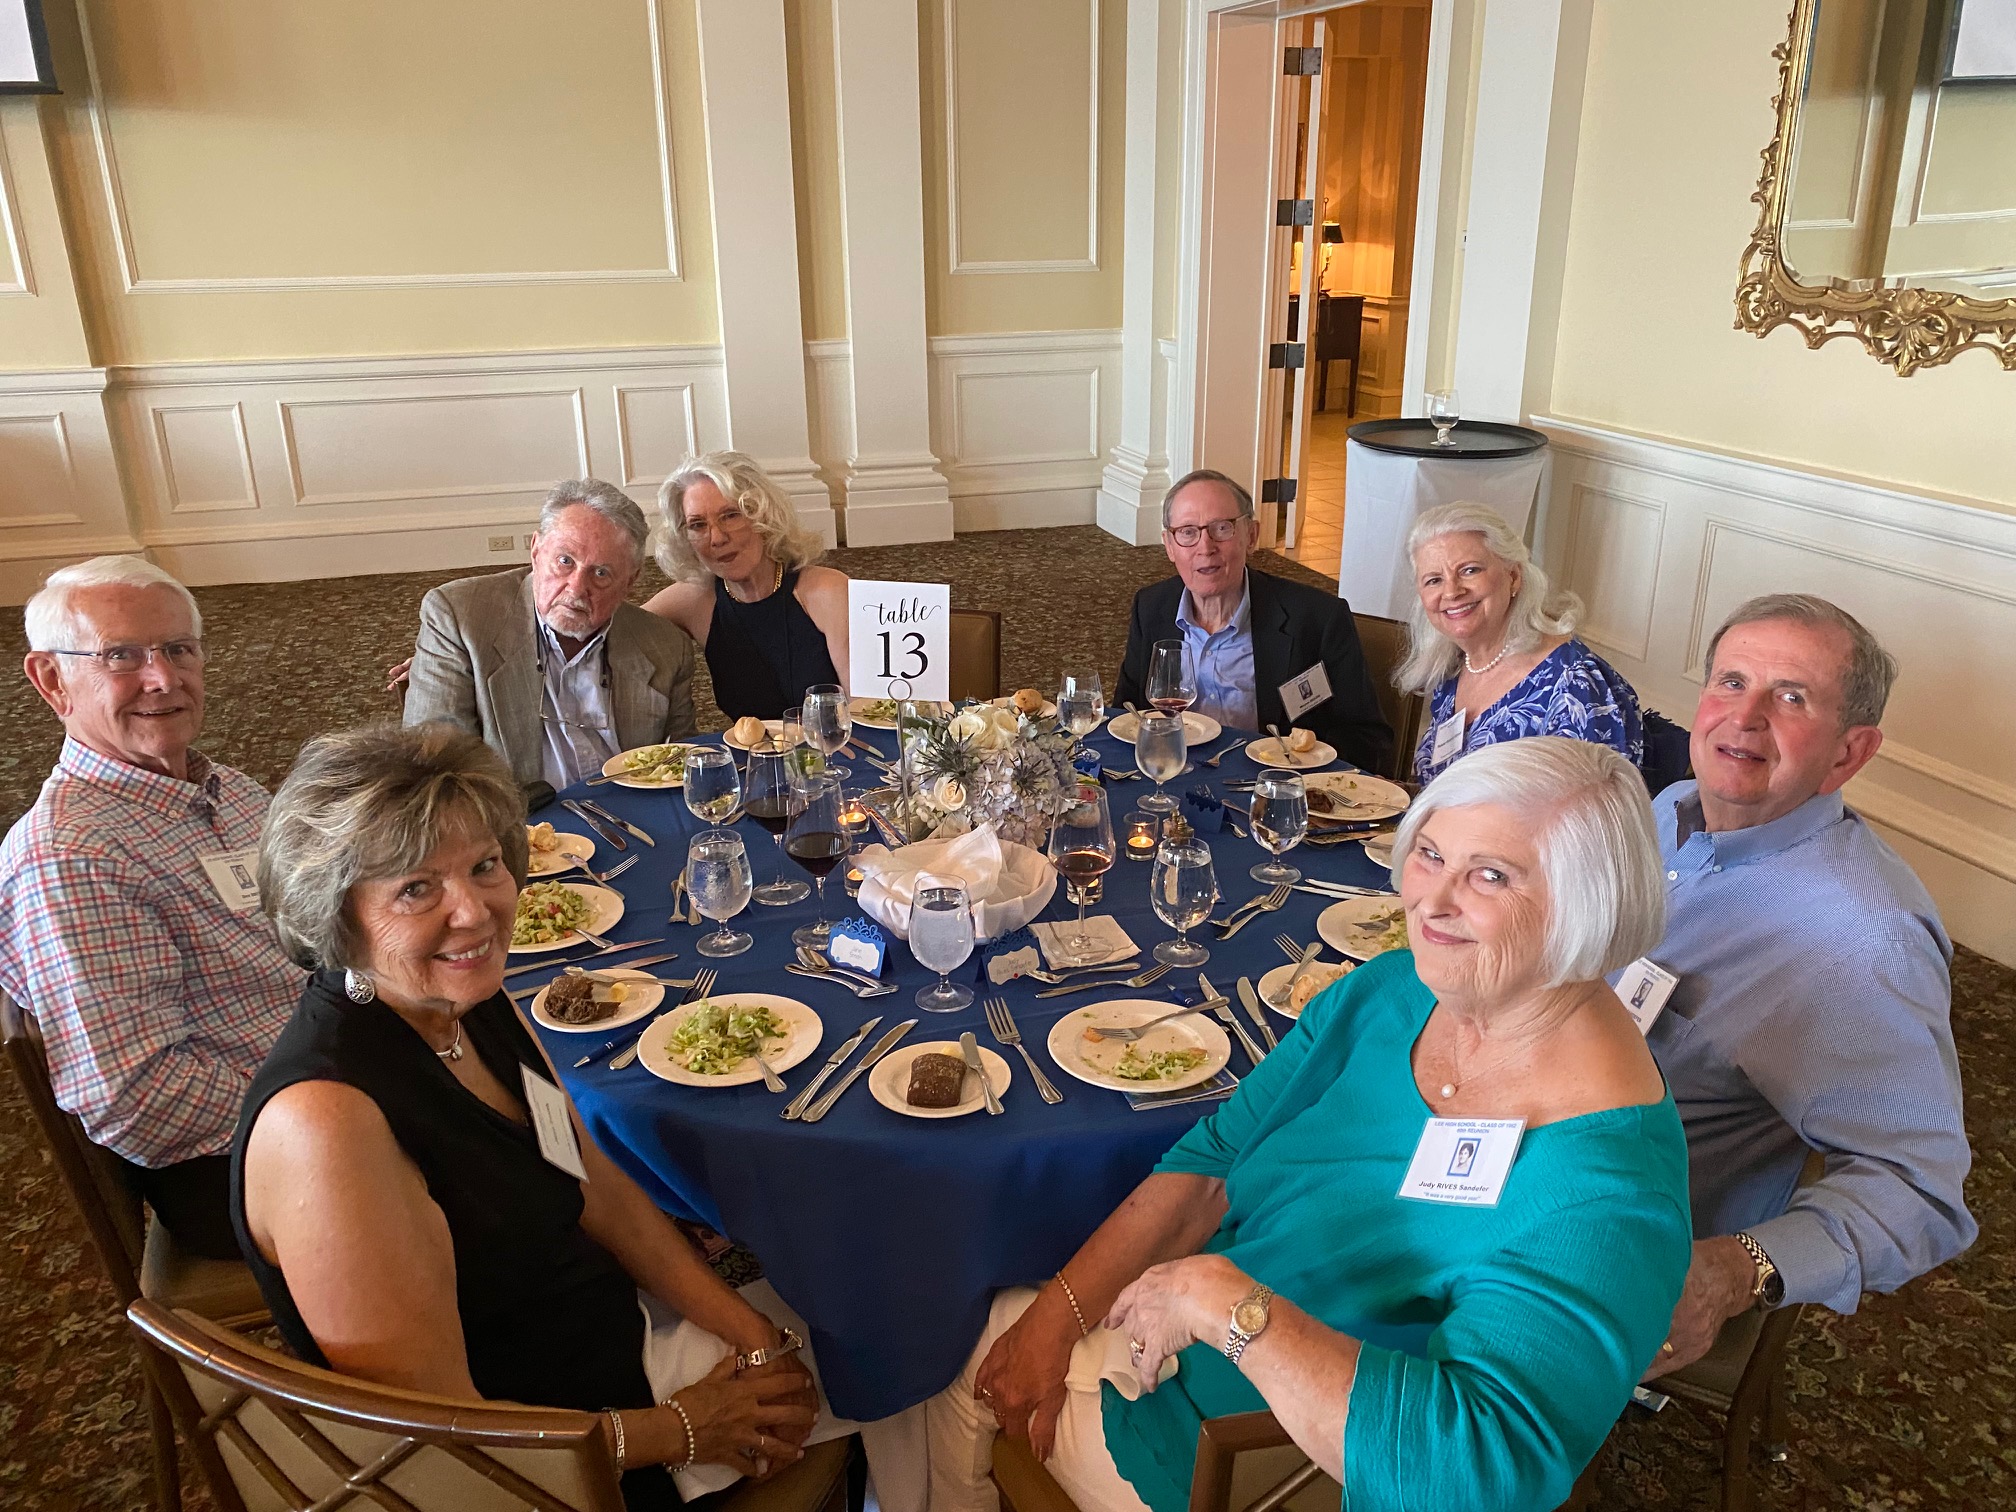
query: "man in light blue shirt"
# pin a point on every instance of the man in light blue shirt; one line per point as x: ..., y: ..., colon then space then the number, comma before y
x: 1813, y: 1002
x: 1223, y: 658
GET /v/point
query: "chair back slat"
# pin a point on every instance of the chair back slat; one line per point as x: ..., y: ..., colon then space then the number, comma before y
x: 1384, y: 643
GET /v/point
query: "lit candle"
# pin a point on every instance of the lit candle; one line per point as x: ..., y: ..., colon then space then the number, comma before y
x: 854, y: 816
x: 1141, y: 839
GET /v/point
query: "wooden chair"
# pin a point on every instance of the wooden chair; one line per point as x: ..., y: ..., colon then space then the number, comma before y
x: 976, y: 654
x: 272, y: 1433
x: 1026, y: 1486
x: 139, y: 1256
x: 1384, y: 642
x: 1742, y: 1377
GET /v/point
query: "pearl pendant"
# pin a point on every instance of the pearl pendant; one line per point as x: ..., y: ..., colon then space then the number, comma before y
x: 1448, y: 1089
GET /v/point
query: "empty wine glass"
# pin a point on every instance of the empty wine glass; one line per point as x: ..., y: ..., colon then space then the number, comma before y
x: 1442, y: 413
x: 1172, y: 677
x: 828, y: 721
x: 713, y: 785
x: 717, y: 877
x: 1182, y: 889
x: 1082, y: 849
x: 816, y: 838
x: 767, y: 799
x: 1280, y: 815
x: 941, y: 938
x: 1161, y: 751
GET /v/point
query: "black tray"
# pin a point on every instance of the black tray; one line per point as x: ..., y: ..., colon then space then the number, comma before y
x: 1474, y: 439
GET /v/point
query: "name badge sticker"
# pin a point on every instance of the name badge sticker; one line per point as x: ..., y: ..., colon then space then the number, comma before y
x: 1305, y: 690
x: 1448, y: 740
x: 548, y: 1106
x: 234, y: 875
x: 1463, y: 1160
x: 1643, y: 988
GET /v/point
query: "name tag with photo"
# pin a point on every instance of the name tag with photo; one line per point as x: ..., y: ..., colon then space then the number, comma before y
x: 1463, y: 1160
x: 1448, y: 740
x: 1305, y: 690
x: 548, y: 1106
x: 234, y: 875
x: 1643, y: 988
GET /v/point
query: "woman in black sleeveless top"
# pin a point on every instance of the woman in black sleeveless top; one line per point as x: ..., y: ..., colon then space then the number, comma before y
x: 405, y: 1218
x: 744, y: 586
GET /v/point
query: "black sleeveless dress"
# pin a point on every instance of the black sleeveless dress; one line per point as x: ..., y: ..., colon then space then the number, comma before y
x: 763, y: 656
x: 549, y: 1317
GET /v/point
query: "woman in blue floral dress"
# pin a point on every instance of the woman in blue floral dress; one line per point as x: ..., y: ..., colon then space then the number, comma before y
x: 1492, y: 647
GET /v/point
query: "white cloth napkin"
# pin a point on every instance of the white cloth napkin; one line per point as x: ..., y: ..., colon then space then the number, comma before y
x: 1110, y: 941
x: 1009, y: 884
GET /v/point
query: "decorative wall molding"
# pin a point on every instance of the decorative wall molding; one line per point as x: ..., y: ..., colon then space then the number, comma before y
x: 23, y: 281
x: 182, y: 498
x: 135, y: 281
x: 1089, y: 263
x: 1663, y: 540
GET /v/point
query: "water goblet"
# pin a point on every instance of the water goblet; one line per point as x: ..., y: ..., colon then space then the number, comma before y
x: 1280, y: 816
x: 1161, y: 751
x: 1443, y: 412
x: 713, y: 785
x: 941, y: 938
x: 717, y: 877
x: 828, y: 721
x: 1182, y: 889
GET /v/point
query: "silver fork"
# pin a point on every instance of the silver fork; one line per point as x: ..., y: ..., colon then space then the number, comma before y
x: 606, y: 877
x: 771, y: 1079
x: 1237, y: 745
x: 1290, y: 949
x: 1134, y: 1032
x: 1002, y: 1023
x: 1271, y: 899
x: 1056, y: 977
x: 811, y: 963
x: 1151, y: 974
x: 703, y: 983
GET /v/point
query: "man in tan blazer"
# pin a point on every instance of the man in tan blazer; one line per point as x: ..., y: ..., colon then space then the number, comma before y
x: 549, y: 664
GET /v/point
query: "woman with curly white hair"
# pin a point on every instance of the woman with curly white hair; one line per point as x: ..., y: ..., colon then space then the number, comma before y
x: 1492, y: 647
x: 745, y: 585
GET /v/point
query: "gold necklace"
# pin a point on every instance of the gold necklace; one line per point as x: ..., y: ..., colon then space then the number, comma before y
x: 775, y: 583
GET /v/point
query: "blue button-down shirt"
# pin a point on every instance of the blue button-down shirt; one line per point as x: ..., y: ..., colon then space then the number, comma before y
x: 578, y: 729
x: 1224, y: 662
x: 1812, y: 1012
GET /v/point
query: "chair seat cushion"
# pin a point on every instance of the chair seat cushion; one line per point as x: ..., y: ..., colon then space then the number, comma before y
x: 1716, y: 1375
x: 220, y: 1290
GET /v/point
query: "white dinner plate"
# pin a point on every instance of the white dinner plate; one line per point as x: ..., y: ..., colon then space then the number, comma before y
x: 1365, y: 799
x: 856, y: 705
x: 1343, y: 926
x: 1092, y: 1060
x: 1198, y: 729
x: 608, y: 906
x: 890, y: 1078
x: 573, y: 849
x: 1379, y: 850
x: 617, y: 767
x: 640, y: 1000
x: 1048, y: 711
x: 1268, y: 751
x: 772, y: 729
x: 1275, y: 983
x: 804, y: 1031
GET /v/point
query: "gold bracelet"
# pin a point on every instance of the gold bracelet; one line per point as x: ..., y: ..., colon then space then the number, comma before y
x: 616, y: 1427
x: 1072, y: 1297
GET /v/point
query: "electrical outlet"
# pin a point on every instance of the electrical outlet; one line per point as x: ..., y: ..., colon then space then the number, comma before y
x: 500, y: 543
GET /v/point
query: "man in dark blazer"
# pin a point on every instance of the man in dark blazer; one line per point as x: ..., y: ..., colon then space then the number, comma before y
x: 1248, y: 632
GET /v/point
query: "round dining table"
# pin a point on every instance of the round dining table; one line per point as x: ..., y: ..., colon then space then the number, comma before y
x: 890, y: 1234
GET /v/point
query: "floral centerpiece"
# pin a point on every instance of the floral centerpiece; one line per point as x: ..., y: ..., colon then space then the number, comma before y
x: 986, y: 765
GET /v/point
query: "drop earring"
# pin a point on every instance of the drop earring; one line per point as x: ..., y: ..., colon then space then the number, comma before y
x: 358, y: 987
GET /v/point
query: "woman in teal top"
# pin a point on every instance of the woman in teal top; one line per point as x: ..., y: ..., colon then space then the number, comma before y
x: 1439, y: 1233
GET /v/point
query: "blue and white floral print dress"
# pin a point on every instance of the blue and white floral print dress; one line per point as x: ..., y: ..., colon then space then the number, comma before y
x: 1573, y: 692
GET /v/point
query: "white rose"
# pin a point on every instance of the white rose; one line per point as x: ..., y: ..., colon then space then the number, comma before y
x: 967, y: 724
x: 948, y: 794
x: 985, y: 728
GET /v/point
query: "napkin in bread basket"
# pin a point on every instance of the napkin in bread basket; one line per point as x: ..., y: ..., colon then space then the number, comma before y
x: 1008, y: 883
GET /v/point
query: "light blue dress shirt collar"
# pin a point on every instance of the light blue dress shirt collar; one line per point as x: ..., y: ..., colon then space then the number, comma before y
x: 1758, y: 841
x: 1224, y: 661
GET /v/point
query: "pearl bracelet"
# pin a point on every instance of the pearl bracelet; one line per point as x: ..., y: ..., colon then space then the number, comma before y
x: 1072, y: 1297
x: 692, y: 1444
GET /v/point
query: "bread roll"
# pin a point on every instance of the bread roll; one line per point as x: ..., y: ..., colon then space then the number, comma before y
x: 749, y: 730
x: 1312, y: 981
x: 1301, y: 742
x: 936, y: 1081
x: 1027, y: 701
x: 542, y: 837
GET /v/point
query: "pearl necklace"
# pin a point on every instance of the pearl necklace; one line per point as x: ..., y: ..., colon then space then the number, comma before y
x: 454, y: 1050
x: 1480, y: 671
x: 775, y: 583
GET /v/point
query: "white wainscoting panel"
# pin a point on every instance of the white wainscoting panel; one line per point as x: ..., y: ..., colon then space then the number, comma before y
x: 432, y: 446
x: 60, y: 499
x: 205, y: 457
x: 1663, y: 541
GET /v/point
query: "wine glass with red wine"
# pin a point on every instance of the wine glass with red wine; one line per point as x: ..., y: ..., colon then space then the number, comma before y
x: 1081, y: 848
x: 1172, y: 677
x: 766, y: 798
x: 817, y: 839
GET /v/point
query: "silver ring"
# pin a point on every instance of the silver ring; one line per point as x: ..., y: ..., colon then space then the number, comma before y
x: 1136, y: 1349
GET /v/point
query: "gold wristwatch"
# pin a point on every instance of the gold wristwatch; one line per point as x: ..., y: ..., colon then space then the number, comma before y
x: 1770, y: 1285
x: 764, y: 1356
x: 1249, y: 1321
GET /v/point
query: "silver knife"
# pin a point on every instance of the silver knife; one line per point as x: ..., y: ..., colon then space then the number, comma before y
x: 595, y: 824
x: 799, y: 1103
x: 969, y: 1050
x: 636, y: 965
x: 883, y: 1046
x: 577, y: 960
x: 1252, y: 1001
x: 1224, y: 1012
x: 618, y: 819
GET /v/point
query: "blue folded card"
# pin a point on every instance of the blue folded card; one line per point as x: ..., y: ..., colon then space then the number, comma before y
x: 1005, y: 959
x: 858, y: 943
x: 1205, y: 813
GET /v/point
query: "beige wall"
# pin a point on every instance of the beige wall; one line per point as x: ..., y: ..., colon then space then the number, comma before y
x: 1647, y: 338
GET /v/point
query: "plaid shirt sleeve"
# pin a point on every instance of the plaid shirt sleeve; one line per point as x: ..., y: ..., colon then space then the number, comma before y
x: 109, y: 989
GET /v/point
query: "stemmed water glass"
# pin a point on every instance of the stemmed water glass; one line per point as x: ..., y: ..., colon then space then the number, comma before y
x: 717, y: 878
x: 713, y: 785
x: 1082, y: 850
x: 828, y: 722
x: 1081, y: 703
x: 1280, y: 816
x: 816, y: 838
x: 941, y: 938
x: 1161, y: 751
x: 1172, y: 677
x: 1443, y: 412
x: 1182, y: 888
x: 767, y: 799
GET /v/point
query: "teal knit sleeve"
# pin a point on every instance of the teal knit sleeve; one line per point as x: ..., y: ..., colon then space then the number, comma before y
x: 1528, y: 1370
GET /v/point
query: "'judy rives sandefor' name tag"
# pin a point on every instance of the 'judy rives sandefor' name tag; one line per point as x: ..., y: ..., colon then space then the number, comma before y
x: 1463, y: 1160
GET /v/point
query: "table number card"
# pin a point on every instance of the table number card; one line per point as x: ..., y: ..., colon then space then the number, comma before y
x: 899, y: 640
x: 1463, y: 1160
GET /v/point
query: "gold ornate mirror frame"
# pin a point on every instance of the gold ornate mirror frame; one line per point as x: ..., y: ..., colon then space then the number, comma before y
x: 1905, y: 327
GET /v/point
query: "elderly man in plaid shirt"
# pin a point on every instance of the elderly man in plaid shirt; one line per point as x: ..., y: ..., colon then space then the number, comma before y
x: 129, y: 920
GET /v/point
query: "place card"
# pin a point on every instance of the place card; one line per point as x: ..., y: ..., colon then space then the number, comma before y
x: 859, y: 944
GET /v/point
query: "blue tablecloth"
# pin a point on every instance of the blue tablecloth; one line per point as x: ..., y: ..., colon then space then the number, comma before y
x: 890, y: 1234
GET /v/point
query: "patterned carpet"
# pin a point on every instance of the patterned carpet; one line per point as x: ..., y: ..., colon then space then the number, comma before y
x: 1911, y: 1403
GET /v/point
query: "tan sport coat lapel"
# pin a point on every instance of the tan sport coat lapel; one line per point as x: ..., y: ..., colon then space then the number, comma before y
x: 512, y: 679
x: 636, y: 703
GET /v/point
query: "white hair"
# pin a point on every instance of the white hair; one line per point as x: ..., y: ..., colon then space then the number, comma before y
x: 743, y: 483
x: 1606, y: 901
x: 52, y: 618
x: 606, y: 500
x: 1535, y: 612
